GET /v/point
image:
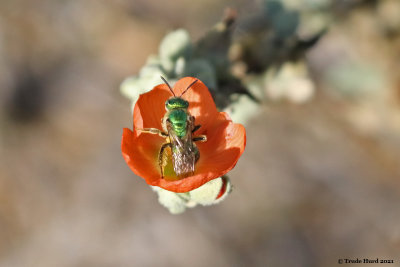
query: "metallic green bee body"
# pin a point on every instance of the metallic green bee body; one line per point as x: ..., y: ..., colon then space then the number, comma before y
x: 178, y: 116
x: 178, y: 126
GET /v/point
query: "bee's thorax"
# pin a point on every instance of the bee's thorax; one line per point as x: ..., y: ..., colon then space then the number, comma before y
x: 178, y: 119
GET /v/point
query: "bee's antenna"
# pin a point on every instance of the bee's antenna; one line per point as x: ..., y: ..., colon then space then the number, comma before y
x: 165, y: 81
x: 190, y: 85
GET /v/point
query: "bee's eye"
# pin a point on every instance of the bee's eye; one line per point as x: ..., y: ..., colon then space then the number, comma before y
x: 168, y: 104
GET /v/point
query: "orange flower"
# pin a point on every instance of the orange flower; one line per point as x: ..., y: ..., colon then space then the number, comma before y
x: 218, y: 155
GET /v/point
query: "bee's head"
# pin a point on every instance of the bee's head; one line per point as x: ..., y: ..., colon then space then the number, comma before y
x: 176, y: 102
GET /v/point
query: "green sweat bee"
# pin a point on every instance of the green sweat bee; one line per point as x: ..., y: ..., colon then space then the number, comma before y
x: 178, y: 128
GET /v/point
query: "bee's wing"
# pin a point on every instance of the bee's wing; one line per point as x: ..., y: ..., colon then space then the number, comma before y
x: 183, y: 151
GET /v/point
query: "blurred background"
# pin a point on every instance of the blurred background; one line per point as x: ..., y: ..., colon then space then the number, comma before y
x: 320, y: 177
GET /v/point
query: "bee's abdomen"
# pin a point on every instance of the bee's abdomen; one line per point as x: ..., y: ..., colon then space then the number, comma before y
x: 184, y: 162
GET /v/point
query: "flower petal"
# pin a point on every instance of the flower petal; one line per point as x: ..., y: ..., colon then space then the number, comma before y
x: 140, y: 153
x: 225, y: 144
x: 201, y: 103
x: 150, y: 108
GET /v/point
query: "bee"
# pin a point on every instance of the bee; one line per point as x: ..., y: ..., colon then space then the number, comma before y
x: 178, y: 129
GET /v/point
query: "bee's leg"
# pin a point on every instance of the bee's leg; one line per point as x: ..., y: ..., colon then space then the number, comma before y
x: 161, y: 161
x: 201, y: 138
x: 153, y: 131
x: 196, y: 128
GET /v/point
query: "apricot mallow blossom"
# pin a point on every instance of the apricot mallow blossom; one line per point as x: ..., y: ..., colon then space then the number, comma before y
x: 225, y: 143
